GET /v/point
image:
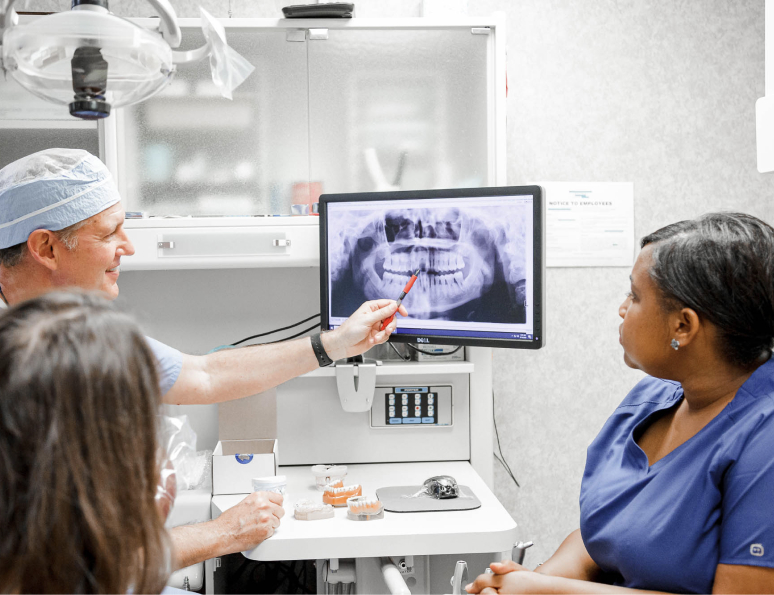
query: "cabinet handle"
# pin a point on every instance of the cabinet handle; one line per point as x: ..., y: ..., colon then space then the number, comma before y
x: 318, y: 34
x: 167, y: 245
x: 280, y: 243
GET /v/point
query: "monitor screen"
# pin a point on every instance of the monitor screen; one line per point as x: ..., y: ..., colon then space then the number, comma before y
x: 479, y: 253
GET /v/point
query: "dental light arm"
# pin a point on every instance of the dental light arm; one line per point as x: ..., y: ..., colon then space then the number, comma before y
x: 168, y: 27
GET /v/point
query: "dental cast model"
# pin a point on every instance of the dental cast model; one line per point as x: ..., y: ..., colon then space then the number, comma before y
x: 364, y: 508
x: 306, y: 510
x: 338, y: 496
x: 325, y: 474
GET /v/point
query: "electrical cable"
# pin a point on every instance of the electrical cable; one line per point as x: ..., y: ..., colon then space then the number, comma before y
x: 418, y: 350
x: 501, y: 458
x: 284, y: 328
x: 395, y: 349
x: 311, y: 328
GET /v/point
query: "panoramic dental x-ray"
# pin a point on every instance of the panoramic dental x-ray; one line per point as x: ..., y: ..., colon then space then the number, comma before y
x: 472, y: 259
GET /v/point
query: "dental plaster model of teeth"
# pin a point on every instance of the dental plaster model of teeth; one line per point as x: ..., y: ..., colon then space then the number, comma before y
x: 307, y: 510
x: 338, y: 496
x: 364, y: 508
x: 326, y: 474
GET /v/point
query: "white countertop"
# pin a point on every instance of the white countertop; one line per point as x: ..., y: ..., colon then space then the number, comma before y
x: 487, y: 529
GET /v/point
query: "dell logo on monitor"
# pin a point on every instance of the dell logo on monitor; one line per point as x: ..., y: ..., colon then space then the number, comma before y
x: 422, y: 340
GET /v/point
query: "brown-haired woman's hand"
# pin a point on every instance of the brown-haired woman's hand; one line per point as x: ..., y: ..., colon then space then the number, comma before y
x: 252, y: 521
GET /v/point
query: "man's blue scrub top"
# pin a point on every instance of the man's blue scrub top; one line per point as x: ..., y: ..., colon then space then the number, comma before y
x: 170, y: 362
x: 708, y: 502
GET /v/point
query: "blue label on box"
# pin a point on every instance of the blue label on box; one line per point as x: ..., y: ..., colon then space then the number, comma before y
x: 243, y: 459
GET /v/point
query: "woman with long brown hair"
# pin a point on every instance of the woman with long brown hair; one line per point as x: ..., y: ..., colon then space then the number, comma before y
x: 79, y: 459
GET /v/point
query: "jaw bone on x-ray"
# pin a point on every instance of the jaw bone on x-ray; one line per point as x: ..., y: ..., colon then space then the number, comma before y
x: 472, y: 260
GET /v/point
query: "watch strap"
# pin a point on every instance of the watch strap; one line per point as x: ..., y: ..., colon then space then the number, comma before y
x: 319, y: 351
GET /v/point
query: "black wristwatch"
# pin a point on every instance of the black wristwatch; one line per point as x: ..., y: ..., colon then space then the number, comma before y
x: 319, y: 351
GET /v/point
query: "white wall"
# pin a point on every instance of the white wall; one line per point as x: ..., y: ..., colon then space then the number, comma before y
x: 658, y: 92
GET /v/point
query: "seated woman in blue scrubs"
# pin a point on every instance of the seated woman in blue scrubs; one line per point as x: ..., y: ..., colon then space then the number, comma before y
x: 678, y: 490
x: 82, y: 506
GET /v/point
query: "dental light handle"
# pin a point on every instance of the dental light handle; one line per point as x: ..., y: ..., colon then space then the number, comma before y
x: 8, y: 16
x: 403, y: 293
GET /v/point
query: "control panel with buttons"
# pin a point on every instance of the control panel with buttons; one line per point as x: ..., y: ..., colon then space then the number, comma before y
x: 412, y: 406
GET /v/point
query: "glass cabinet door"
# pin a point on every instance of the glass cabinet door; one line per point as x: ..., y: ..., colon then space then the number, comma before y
x: 189, y: 151
x: 399, y: 109
x: 29, y: 124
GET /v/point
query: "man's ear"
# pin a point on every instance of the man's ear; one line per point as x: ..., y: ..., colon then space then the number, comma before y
x: 44, y: 248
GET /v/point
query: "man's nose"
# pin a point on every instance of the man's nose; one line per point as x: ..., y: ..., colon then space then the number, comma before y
x: 126, y: 245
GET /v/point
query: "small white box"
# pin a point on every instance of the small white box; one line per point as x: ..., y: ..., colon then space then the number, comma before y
x: 236, y: 462
x: 443, y: 353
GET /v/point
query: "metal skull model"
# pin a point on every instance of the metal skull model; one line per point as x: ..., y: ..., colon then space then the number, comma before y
x: 473, y: 261
x: 442, y: 487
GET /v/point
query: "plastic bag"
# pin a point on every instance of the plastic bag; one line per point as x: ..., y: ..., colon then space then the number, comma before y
x: 229, y: 68
x: 192, y: 469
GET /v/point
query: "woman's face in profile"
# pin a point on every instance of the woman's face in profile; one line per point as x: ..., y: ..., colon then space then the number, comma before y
x: 644, y: 332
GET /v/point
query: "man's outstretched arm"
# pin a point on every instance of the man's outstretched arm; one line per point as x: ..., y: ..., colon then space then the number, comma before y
x: 236, y: 373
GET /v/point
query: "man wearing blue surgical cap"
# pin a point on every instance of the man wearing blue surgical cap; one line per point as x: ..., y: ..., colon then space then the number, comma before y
x: 61, y: 225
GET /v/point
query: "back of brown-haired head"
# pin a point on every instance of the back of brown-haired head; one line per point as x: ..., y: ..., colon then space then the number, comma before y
x: 79, y: 401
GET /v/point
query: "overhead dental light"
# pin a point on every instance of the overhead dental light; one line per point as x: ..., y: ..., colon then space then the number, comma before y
x: 92, y: 60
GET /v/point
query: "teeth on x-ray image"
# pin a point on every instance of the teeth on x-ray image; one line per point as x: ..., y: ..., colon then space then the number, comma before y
x: 472, y: 261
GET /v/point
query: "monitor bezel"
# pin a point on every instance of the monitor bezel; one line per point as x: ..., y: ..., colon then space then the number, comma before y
x: 538, y: 254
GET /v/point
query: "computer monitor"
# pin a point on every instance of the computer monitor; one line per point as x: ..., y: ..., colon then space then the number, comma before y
x: 480, y: 253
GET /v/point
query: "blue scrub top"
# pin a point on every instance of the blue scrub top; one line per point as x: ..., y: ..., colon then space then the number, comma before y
x: 170, y: 362
x: 708, y: 502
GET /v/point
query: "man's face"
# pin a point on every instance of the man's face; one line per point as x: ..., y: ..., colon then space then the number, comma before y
x: 93, y: 263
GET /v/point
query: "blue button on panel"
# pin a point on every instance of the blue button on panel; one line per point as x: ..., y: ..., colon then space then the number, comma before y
x: 412, y: 420
x: 394, y: 420
x: 428, y: 420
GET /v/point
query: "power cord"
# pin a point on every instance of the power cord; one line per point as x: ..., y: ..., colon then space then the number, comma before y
x: 399, y: 354
x: 284, y: 328
x: 311, y: 328
x: 501, y: 457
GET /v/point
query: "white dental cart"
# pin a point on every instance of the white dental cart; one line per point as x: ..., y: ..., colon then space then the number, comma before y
x: 431, y: 542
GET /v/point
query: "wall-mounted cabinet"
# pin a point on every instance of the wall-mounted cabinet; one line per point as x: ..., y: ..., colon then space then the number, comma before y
x: 333, y: 106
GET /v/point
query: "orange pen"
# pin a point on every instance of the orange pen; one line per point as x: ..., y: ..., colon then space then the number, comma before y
x: 400, y: 299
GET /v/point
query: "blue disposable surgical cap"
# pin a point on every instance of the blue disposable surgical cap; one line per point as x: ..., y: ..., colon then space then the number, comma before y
x: 52, y: 189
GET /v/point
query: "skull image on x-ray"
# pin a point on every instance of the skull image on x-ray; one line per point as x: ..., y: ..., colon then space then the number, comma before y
x: 471, y: 261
